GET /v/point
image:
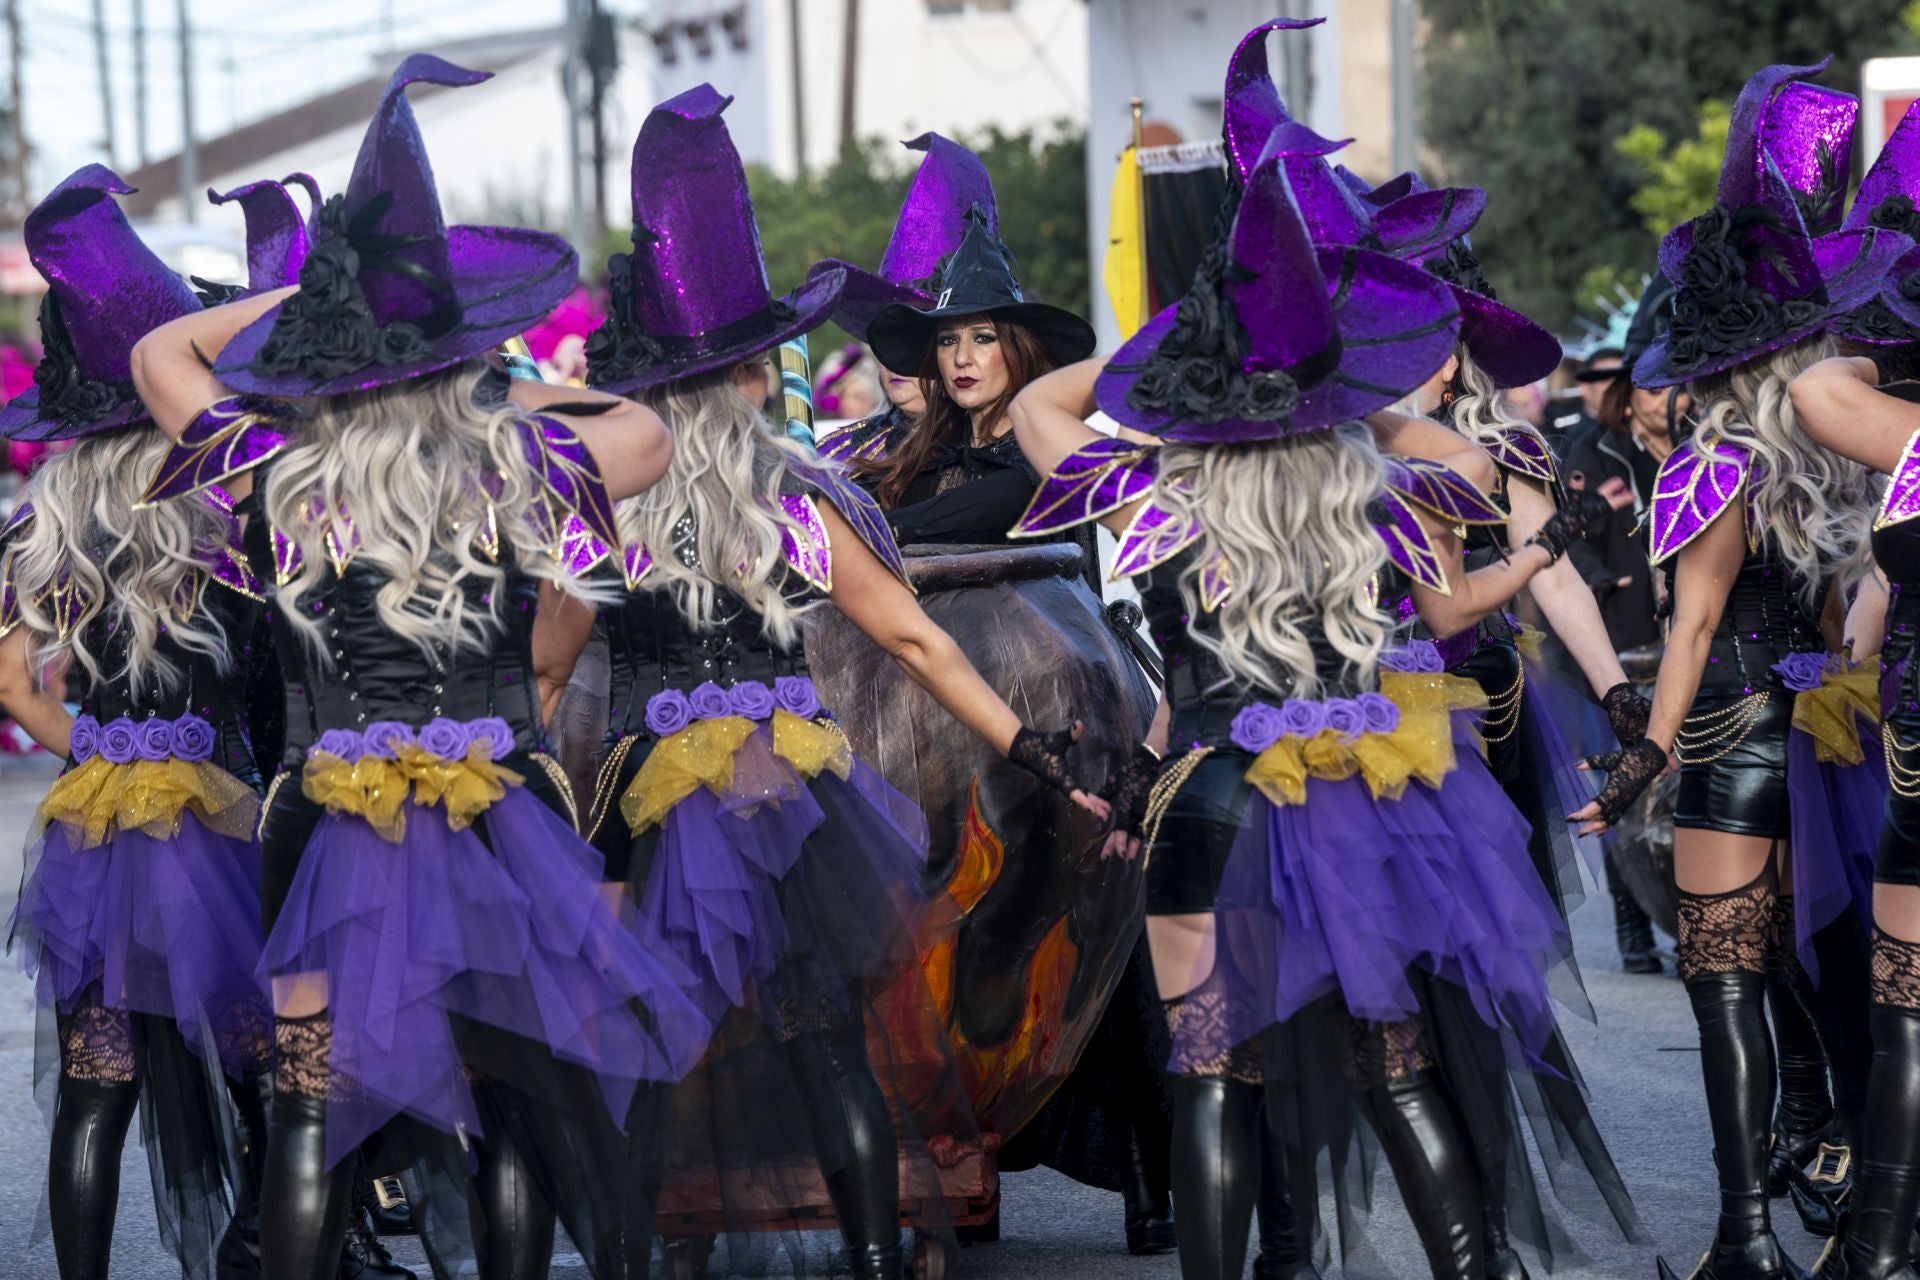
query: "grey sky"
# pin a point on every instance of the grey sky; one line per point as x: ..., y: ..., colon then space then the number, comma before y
x: 253, y: 57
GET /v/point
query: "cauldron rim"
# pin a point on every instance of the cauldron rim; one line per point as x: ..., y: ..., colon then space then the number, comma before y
x: 952, y: 566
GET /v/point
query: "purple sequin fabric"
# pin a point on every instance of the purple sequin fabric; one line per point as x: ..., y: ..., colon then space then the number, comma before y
x: 124, y: 740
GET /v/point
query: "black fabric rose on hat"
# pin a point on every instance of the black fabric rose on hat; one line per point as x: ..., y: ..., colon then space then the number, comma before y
x: 1461, y: 266
x: 618, y: 348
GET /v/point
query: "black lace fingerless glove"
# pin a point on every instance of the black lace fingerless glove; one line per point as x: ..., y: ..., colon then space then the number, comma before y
x: 1043, y: 753
x: 1129, y: 799
x: 1629, y: 772
x: 1584, y: 509
x: 1627, y: 712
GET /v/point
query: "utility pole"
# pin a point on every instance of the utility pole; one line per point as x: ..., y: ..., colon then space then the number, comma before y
x: 570, y: 73
x: 849, y: 73
x: 603, y: 58
x: 189, y: 144
x: 799, y: 91
x: 140, y: 82
x: 19, y: 112
x: 106, y: 81
x: 1406, y: 89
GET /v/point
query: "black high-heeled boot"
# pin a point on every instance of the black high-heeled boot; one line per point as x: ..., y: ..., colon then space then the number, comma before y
x: 859, y: 1151
x: 1736, y: 1059
x: 514, y: 1236
x: 1879, y: 1229
x: 1434, y: 1168
x: 1804, y: 1114
x: 1838, y: 1009
x: 90, y: 1122
x: 303, y: 1203
x: 1149, y: 1208
x: 238, y: 1257
x: 1285, y: 1249
x: 363, y: 1257
x: 1215, y: 1170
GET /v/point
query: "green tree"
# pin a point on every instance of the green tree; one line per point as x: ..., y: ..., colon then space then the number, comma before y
x: 1531, y: 98
x: 1682, y: 180
x: 847, y: 211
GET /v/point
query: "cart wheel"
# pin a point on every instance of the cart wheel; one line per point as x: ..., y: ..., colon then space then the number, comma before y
x: 932, y: 1258
x: 687, y: 1258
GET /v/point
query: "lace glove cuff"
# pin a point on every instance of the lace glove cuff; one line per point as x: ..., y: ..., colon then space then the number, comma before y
x: 1583, y: 510
x: 1136, y: 785
x: 1629, y: 772
x: 1043, y: 753
x: 1627, y: 712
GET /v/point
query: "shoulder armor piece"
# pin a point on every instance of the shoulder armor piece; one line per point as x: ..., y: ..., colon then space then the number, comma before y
x: 1902, y: 502
x: 1522, y: 451
x: 228, y: 438
x: 1439, y: 489
x: 1098, y: 477
x: 1691, y: 493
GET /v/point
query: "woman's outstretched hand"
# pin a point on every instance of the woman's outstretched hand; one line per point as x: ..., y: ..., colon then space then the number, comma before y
x: 1630, y: 771
x: 1043, y: 753
x: 1130, y: 804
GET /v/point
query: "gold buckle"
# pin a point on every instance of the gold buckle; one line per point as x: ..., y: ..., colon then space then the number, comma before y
x: 389, y: 1192
x: 1841, y: 1158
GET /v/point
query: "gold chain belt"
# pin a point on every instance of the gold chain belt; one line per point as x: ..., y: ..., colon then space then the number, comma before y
x: 1503, y: 709
x: 1172, y: 778
x: 1904, y: 779
x: 1728, y: 725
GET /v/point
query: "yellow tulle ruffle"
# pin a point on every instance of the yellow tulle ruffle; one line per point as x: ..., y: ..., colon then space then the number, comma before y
x: 1421, y: 747
x: 379, y: 790
x: 1528, y: 641
x: 100, y: 798
x: 701, y: 755
x: 1828, y: 714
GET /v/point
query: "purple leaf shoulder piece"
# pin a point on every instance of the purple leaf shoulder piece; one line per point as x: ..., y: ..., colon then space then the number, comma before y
x: 1099, y: 477
x: 1441, y: 490
x: 1522, y: 451
x: 1408, y: 544
x: 1903, y: 488
x: 228, y: 438
x: 569, y: 478
x: 1153, y: 537
x: 856, y: 507
x: 1692, y: 491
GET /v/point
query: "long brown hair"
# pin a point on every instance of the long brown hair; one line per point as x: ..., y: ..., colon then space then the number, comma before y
x: 943, y: 423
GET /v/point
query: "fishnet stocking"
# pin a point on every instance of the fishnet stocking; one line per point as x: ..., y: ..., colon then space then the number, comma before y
x: 96, y: 1044
x: 795, y: 1016
x: 1387, y: 1052
x: 302, y: 1053
x: 1783, y: 954
x: 1197, y: 1023
x: 1727, y: 932
x: 1896, y: 972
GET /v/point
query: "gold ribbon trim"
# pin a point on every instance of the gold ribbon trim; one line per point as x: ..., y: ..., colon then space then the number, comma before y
x: 378, y: 790
x: 1421, y: 747
x: 1828, y: 714
x: 701, y: 755
x: 101, y: 798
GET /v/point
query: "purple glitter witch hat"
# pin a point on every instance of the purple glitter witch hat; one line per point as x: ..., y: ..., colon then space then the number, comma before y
x: 932, y: 222
x: 105, y: 291
x: 1807, y: 131
x: 692, y: 297
x: 1887, y: 198
x: 1251, y: 106
x: 1749, y: 277
x: 277, y: 236
x: 388, y: 291
x: 1279, y: 336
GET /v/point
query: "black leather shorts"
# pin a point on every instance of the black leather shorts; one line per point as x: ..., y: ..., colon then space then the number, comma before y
x: 1898, y: 861
x: 1741, y: 788
x: 1197, y: 832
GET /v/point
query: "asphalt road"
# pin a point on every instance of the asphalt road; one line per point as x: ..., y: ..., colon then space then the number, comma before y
x: 1640, y: 1060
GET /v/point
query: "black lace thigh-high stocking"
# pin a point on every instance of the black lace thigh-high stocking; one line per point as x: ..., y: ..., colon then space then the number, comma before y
x: 1723, y: 948
x: 1217, y: 1133
x: 1886, y: 1195
x: 852, y: 1127
x: 92, y: 1109
x: 303, y: 1203
x: 1431, y: 1157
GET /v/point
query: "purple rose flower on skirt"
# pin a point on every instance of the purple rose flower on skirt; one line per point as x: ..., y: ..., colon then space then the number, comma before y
x: 385, y: 737
x: 668, y: 712
x: 796, y: 695
x: 119, y: 742
x: 1258, y: 727
x: 344, y: 743
x: 153, y: 740
x: 1345, y: 717
x: 1379, y: 712
x: 85, y: 739
x: 495, y: 732
x: 192, y: 739
x: 1300, y: 718
x: 446, y: 738
x: 1419, y: 657
x: 751, y: 700
x: 710, y: 702
x: 1802, y: 671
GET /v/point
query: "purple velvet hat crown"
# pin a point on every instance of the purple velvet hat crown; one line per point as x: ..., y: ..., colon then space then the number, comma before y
x: 932, y: 222
x: 693, y: 297
x: 1279, y: 336
x: 1750, y: 276
x: 1887, y: 198
x: 105, y: 291
x: 277, y: 235
x: 388, y: 291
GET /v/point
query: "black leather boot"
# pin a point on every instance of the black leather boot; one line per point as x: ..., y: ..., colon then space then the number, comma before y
x: 1804, y: 1114
x: 1736, y: 1059
x: 238, y: 1256
x: 1286, y: 1251
x: 1879, y: 1230
x: 303, y: 1203
x: 363, y: 1257
x: 1434, y: 1168
x: 1215, y: 1171
x: 860, y: 1152
x: 514, y: 1236
x: 90, y: 1121
x: 385, y: 1201
x: 1838, y: 1008
x: 1633, y: 934
x: 1149, y: 1209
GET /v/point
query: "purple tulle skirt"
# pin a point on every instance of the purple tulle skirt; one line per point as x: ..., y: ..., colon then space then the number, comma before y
x: 783, y: 885
x: 1835, y: 815
x: 421, y: 939
x: 1345, y: 894
x: 169, y: 927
